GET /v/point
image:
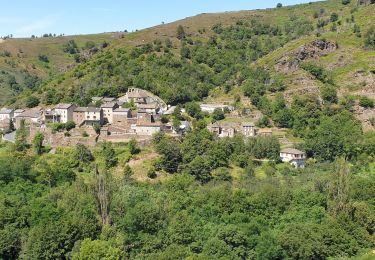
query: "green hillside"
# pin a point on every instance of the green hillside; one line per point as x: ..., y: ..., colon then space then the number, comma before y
x: 21, y: 69
x: 218, y: 55
x: 215, y: 53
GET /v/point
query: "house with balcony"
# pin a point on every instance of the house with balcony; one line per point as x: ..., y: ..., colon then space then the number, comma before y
x: 293, y: 156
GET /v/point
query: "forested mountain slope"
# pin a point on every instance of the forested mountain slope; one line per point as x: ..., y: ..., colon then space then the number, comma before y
x: 221, y: 52
x: 25, y: 63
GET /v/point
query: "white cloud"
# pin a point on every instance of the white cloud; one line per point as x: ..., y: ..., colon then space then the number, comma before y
x: 36, y: 26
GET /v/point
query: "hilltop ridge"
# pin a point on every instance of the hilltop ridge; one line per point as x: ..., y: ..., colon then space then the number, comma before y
x: 210, y: 76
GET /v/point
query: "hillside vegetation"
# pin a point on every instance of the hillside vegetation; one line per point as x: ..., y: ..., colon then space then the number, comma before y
x: 26, y: 63
x: 214, y: 52
x: 307, y: 69
x: 315, y: 48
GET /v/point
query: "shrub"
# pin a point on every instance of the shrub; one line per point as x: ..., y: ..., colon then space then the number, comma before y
x: 133, y: 146
x: 43, y: 58
x: 151, y: 173
x: 366, y: 102
x: 263, y: 122
x: 370, y: 37
x: 345, y: 2
x: 318, y: 72
x: 96, y: 128
x: 71, y: 47
x: 32, y: 101
x: 180, y: 32
x: 329, y: 94
x: 334, y: 17
x: 70, y: 125
x: 85, y: 134
x: 222, y: 174
x: 218, y: 114
x: 250, y: 170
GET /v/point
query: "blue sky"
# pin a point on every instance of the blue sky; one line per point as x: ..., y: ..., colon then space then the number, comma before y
x: 25, y: 18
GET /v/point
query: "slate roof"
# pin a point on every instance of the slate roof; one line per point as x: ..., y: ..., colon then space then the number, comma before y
x: 109, y: 105
x: 248, y: 124
x: 121, y: 110
x: 108, y: 99
x: 291, y: 151
x: 87, y: 109
x: 6, y: 111
x: 63, y: 106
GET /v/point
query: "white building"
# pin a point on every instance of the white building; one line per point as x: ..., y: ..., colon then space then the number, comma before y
x: 210, y: 108
x: 294, y: 157
x: 6, y: 114
x: 18, y: 112
x: 146, y: 129
x: 65, y: 111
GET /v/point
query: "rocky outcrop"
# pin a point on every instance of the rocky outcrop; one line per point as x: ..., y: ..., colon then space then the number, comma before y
x: 313, y: 50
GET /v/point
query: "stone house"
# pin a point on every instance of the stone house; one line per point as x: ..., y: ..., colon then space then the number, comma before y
x: 146, y: 129
x: 222, y: 130
x: 265, y: 132
x: 138, y: 96
x: 65, y: 112
x: 151, y: 108
x: 248, y: 130
x: 108, y: 109
x: 88, y: 116
x: 33, y: 116
x: 121, y: 116
x: 293, y: 156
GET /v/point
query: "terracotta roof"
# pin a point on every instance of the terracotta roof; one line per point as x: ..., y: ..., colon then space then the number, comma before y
x: 291, y: 151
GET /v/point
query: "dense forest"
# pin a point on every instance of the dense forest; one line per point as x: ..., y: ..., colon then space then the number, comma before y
x: 84, y: 203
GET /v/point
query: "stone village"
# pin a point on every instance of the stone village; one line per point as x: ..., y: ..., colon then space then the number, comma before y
x: 111, y: 119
